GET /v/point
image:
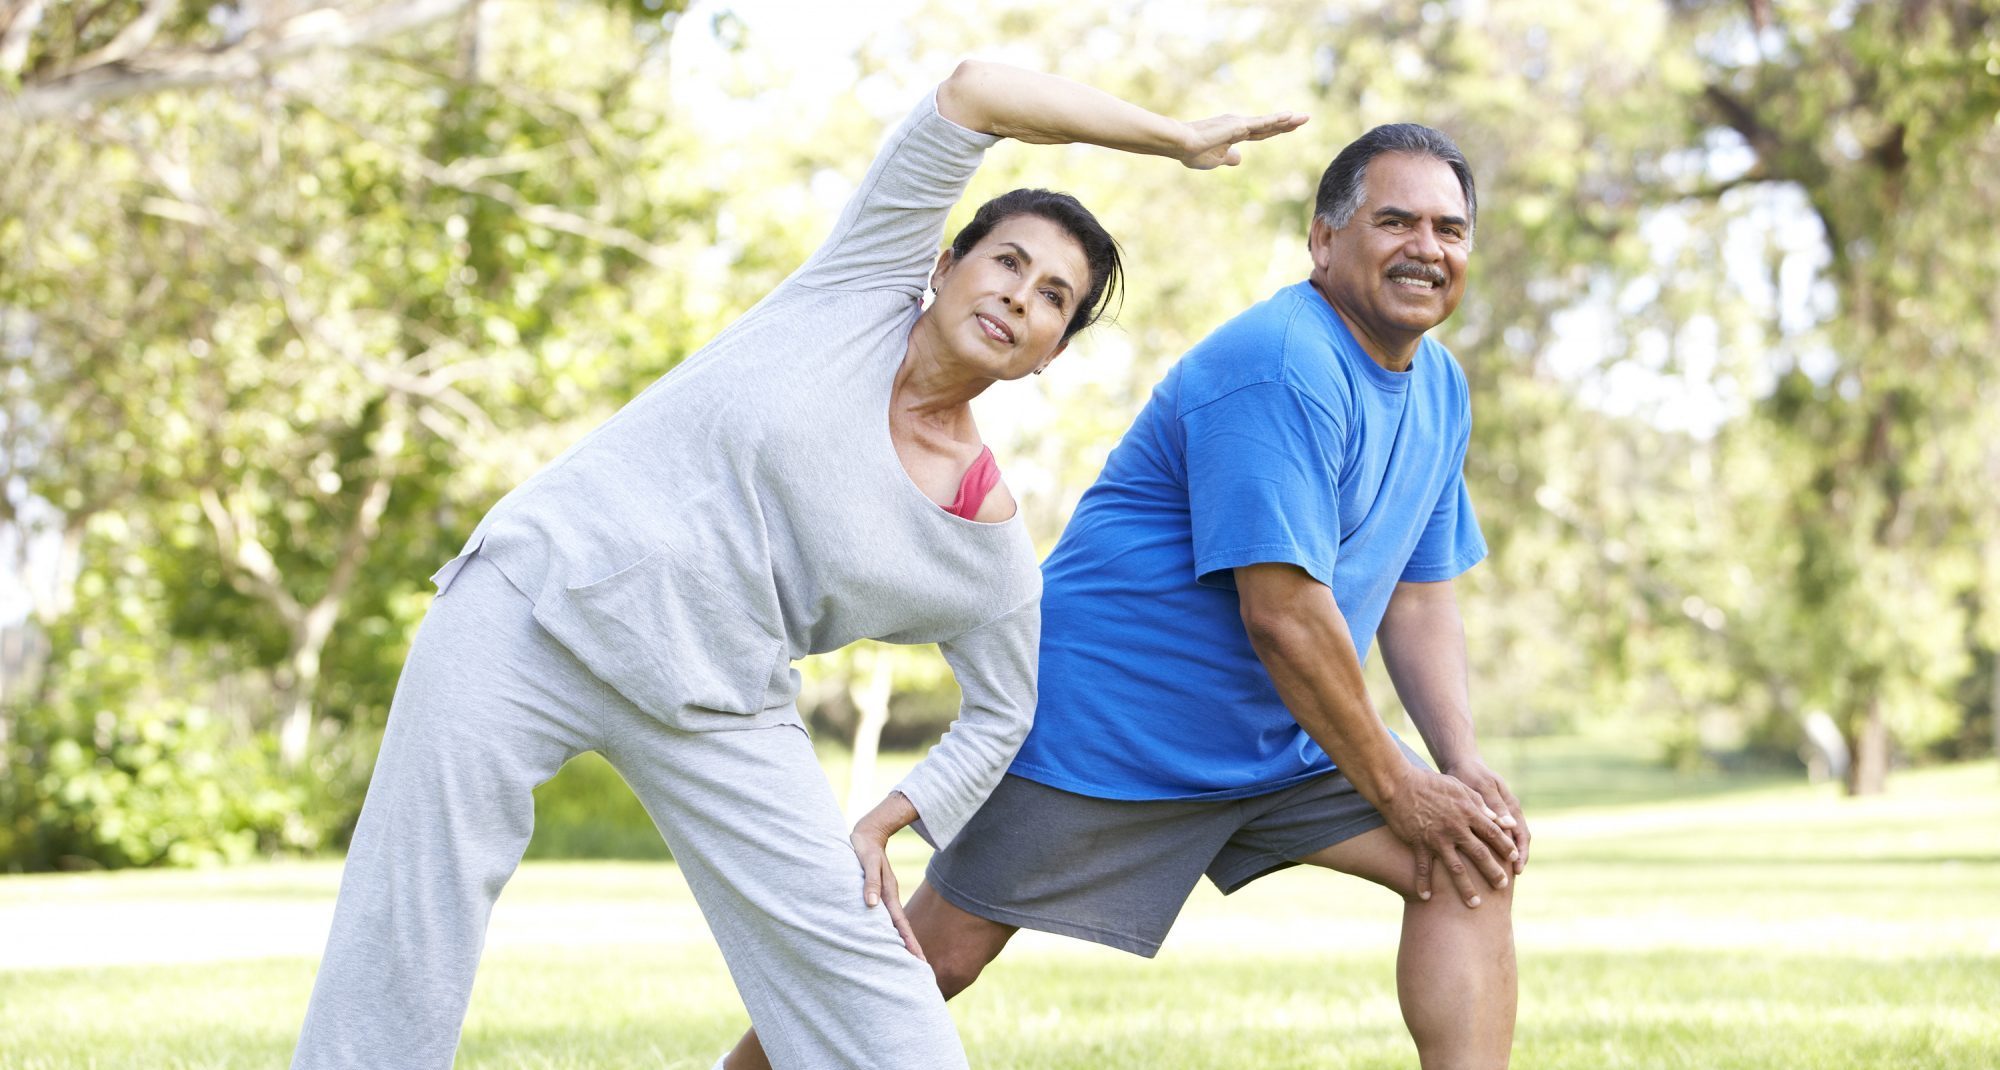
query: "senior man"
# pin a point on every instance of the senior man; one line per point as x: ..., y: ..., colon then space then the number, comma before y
x: 1292, y: 491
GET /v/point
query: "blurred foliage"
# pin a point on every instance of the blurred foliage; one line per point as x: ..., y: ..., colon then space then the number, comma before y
x: 587, y: 811
x: 268, y: 349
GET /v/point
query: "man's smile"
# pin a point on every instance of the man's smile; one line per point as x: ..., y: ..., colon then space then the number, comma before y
x: 1417, y: 277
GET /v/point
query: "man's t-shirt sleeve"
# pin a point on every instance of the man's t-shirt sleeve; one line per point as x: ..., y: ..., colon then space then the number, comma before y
x: 1451, y: 542
x: 1263, y: 465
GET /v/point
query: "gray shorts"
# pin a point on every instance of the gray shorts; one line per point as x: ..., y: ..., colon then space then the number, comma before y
x: 1117, y: 872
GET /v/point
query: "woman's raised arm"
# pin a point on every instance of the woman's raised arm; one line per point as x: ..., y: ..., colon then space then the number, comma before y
x: 1043, y: 109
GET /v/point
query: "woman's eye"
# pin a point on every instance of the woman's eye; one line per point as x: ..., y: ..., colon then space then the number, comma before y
x: 1054, y: 297
x: 1007, y: 260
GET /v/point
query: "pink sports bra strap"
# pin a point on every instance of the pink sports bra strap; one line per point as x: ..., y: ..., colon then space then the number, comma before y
x: 979, y: 481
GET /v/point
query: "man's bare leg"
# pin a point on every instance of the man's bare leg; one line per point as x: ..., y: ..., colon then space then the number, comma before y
x: 1455, y: 972
x: 958, y: 946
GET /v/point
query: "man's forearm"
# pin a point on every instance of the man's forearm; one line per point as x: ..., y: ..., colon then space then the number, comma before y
x: 1304, y: 643
x: 1422, y: 639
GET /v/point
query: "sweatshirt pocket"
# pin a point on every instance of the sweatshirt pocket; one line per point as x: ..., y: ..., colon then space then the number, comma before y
x: 667, y: 636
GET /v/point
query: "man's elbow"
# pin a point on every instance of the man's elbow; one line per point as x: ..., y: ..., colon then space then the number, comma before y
x: 1284, y: 610
x: 1274, y: 631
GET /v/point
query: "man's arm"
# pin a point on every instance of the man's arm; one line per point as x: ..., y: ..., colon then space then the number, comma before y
x: 1423, y: 645
x: 1303, y: 641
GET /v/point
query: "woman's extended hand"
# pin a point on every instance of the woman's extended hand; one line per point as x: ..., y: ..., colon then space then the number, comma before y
x: 870, y: 841
x: 1212, y: 142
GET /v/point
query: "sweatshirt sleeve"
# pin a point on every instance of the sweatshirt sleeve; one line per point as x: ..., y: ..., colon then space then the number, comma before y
x: 890, y: 233
x: 995, y: 667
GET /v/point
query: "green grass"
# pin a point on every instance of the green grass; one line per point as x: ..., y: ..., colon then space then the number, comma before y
x: 1769, y: 926
x: 1590, y: 772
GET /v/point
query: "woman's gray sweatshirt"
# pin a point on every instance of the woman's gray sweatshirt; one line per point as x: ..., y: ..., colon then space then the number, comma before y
x: 749, y: 507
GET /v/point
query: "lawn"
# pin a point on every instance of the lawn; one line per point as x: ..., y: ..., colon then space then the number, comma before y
x: 1705, y: 924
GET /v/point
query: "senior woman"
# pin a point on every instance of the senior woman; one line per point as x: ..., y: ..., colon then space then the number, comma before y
x: 811, y: 477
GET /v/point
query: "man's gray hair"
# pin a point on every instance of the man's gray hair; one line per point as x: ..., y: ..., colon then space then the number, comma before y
x: 1343, y: 187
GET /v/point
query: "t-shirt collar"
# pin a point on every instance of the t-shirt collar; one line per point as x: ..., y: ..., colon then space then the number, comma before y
x: 1351, y: 351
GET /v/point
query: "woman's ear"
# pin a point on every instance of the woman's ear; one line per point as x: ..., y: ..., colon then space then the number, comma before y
x: 1051, y: 358
x: 942, y: 269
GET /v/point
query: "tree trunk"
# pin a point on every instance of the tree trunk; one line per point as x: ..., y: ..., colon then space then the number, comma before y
x: 1869, y: 773
x: 1990, y: 599
x: 295, y: 729
x: 472, y: 28
x: 303, y: 683
x: 72, y: 87
x: 61, y: 595
x: 870, y: 692
x: 13, y: 664
x: 315, y: 625
x: 295, y: 724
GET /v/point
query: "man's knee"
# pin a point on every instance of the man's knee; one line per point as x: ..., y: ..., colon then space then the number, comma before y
x: 1495, y: 904
x: 959, y: 954
x: 958, y: 944
x: 957, y: 967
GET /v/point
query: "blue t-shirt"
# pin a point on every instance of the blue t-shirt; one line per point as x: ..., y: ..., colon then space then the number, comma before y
x: 1276, y: 439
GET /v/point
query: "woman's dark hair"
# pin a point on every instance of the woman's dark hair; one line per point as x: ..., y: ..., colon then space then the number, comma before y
x: 1100, y: 249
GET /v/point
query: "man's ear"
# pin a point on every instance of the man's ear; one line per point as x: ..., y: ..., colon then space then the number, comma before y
x: 943, y: 268
x: 1319, y: 242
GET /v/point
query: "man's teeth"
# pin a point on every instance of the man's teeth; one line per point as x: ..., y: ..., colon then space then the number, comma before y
x: 1416, y: 283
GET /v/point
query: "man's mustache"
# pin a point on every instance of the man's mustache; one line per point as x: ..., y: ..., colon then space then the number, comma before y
x: 1424, y: 272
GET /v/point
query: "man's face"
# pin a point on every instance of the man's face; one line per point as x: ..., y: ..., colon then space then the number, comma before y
x: 1397, y: 268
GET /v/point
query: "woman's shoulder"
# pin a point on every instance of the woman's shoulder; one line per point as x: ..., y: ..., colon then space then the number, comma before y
x: 889, y: 233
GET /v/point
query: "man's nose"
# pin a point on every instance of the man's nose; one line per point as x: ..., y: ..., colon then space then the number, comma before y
x: 1424, y: 245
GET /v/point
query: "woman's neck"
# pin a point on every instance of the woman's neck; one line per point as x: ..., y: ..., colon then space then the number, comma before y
x: 933, y: 388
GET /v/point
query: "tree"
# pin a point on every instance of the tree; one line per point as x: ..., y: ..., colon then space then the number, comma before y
x: 281, y: 339
x: 1883, y: 117
x: 109, y: 51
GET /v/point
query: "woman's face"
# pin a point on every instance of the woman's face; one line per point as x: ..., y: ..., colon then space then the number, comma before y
x: 1004, y: 306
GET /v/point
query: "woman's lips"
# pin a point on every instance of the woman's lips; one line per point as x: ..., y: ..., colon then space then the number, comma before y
x: 994, y: 328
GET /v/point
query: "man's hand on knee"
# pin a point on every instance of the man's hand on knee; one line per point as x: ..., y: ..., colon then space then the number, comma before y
x: 1501, y: 800
x: 1448, y: 824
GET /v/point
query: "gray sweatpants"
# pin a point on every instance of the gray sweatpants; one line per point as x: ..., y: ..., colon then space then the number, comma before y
x: 490, y: 706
